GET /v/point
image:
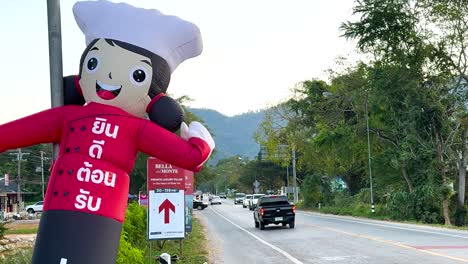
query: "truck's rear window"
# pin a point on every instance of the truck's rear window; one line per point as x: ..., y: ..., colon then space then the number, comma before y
x: 277, y: 200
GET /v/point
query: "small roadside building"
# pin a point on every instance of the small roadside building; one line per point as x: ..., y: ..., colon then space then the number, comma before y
x: 9, y: 195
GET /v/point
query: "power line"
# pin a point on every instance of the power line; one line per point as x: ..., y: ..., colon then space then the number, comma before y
x: 42, y: 171
x: 19, y: 159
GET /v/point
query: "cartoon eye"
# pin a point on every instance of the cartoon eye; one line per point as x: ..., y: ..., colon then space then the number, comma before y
x: 92, y: 63
x: 138, y: 76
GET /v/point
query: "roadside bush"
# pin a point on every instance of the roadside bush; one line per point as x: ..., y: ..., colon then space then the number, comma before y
x: 3, y: 229
x: 342, y: 199
x: 422, y: 205
x: 133, y: 237
x: 22, y: 256
x: 135, y: 225
x: 311, y: 190
x: 128, y: 253
x: 363, y: 196
x: 400, y: 206
x: 461, y: 215
x: 427, y: 204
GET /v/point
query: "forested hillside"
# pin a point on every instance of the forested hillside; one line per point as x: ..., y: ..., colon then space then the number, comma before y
x: 233, y: 135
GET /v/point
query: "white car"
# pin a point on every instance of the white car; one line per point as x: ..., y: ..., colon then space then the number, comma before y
x: 246, y: 202
x: 254, y: 200
x: 37, y: 207
x: 216, y: 200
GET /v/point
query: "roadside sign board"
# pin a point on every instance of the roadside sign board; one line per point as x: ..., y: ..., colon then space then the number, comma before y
x: 188, y: 200
x: 143, y: 199
x: 166, y: 189
x: 163, y: 175
x: 166, y: 214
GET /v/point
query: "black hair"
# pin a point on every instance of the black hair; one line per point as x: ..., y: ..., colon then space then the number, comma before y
x: 165, y: 112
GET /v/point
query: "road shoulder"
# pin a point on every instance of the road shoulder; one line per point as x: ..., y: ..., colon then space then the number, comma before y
x: 215, y: 250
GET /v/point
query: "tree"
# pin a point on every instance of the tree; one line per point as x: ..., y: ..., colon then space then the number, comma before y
x: 403, y: 38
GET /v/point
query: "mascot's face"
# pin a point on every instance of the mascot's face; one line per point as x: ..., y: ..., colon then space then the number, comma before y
x: 115, y: 76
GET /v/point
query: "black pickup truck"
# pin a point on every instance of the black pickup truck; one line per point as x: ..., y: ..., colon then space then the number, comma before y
x: 274, y: 209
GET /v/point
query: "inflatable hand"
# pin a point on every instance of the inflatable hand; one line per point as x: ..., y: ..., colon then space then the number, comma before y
x: 196, y: 130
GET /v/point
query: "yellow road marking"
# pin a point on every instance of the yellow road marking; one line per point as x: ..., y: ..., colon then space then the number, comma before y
x: 386, y: 242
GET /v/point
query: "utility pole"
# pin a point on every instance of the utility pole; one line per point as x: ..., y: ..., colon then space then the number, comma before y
x: 369, y: 156
x: 55, y: 58
x: 42, y: 172
x: 296, y: 195
x: 19, y: 158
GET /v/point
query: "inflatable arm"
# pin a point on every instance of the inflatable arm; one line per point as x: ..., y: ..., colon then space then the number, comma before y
x: 42, y: 127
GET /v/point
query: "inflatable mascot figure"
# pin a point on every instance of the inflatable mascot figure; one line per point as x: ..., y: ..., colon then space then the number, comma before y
x: 124, y: 72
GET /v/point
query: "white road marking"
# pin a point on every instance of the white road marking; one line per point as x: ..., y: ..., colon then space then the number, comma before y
x: 284, y: 253
x: 382, y: 225
x: 343, y: 258
x: 63, y: 261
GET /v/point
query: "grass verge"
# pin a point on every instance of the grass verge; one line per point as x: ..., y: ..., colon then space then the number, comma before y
x: 21, y: 231
x: 194, y: 247
x: 364, y: 212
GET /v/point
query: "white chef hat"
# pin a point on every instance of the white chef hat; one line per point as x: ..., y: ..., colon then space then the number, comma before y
x: 170, y: 37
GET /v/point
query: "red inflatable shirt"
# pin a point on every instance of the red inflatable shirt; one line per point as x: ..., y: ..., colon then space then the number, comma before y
x: 98, y: 147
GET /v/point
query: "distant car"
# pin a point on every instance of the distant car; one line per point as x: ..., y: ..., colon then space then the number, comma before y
x: 216, y: 200
x: 239, y: 198
x: 254, y: 200
x: 222, y: 196
x: 199, y: 205
x: 274, y: 209
x: 37, y: 207
x: 246, y: 201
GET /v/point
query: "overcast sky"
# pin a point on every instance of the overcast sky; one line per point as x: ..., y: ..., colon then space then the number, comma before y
x: 255, y: 51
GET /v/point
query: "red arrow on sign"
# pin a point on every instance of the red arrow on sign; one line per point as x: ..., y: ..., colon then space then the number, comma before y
x: 166, y: 206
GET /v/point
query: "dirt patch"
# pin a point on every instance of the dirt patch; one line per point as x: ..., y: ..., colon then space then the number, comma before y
x: 22, y: 224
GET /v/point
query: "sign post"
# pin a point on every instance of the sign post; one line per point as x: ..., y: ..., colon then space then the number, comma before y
x: 188, y: 200
x: 166, y: 191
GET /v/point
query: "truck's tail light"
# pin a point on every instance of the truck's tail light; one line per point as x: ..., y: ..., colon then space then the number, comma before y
x: 294, y: 209
x: 262, y: 211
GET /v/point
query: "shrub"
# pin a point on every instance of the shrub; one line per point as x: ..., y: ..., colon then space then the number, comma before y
x: 342, y: 199
x: 427, y: 200
x: 135, y: 225
x: 363, y: 196
x: 401, y: 206
x: 3, y: 229
x: 128, y: 253
x: 421, y: 205
x: 311, y: 190
x: 461, y: 215
x: 133, y: 237
x: 22, y: 256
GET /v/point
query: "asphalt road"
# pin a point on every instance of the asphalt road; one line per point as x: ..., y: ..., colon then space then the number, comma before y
x: 327, y: 239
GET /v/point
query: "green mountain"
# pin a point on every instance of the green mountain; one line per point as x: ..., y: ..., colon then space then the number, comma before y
x: 232, y: 135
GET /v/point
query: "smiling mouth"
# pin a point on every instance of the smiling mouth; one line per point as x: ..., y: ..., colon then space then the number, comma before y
x: 107, y: 91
